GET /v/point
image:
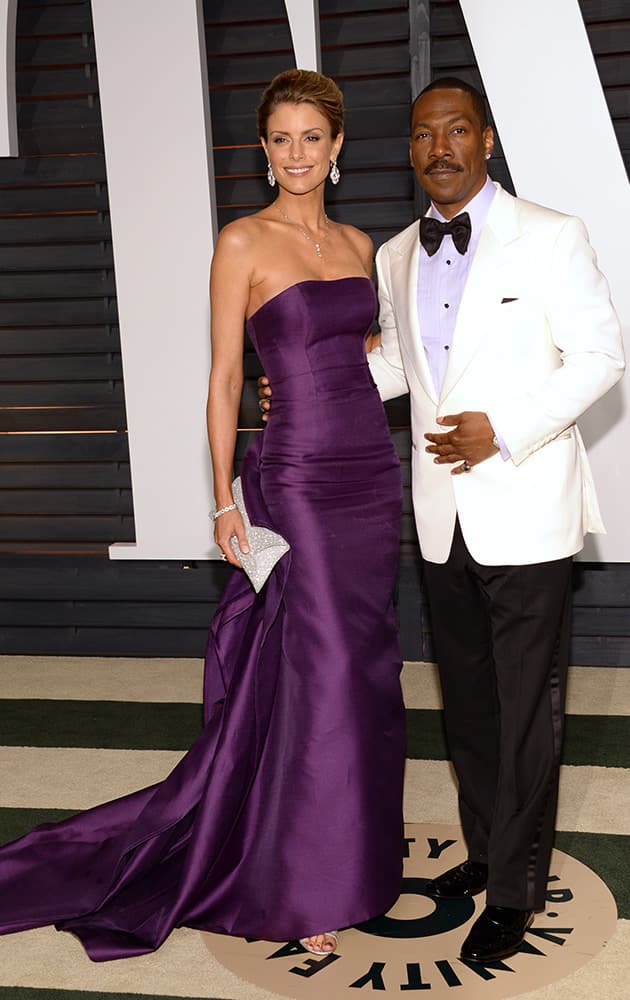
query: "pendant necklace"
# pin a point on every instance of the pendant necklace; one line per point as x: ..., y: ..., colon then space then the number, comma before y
x: 317, y: 244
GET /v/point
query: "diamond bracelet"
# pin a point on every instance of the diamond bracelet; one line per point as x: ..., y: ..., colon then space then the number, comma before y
x: 222, y: 510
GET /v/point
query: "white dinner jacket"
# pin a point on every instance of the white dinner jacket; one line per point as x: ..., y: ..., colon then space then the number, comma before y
x: 536, y: 342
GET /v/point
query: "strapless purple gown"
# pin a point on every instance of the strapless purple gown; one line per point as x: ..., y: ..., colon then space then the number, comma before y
x: 285, y: 817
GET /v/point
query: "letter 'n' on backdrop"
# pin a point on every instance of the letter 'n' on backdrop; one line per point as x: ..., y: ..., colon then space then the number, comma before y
x: 560, y: 145
x: 156, y: 125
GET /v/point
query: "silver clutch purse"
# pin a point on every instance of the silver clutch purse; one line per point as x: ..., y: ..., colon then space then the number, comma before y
x: 265, y: 546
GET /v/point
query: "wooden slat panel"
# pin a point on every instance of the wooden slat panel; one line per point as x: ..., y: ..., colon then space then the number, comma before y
x: 65, y: 394
x: 68, y: 111
x: 73, y: 50
x: 51, y: 447
x: 352, y: 7
x: 239, y: 40
x: 75, y: 503
x: 604, y: 651
x: 612, y: 39
x: 67, y: 529
x: 340, y: 63
x: 90, y: 578
x: 601, y: 621
x: 57, y: 198
x: 604, y: 10
x: 58, y: 285
x: 618, y: 100
x: 601, y: 585
x: 106, y: 641
x: 45, y: 140
x: 55, y: 340
x: 67, y: 447
x: 62, y: 418
x: 58, y: 19
x: 29, y: 170
x: 57, y: 228
x: 613, y: 71
x: 66, y: 475
x: 46, y: 81
x: 219, y: 12
x: 361, y: 29
x: 79, y: 312
x: 62, y: 257
x: 100, y: 614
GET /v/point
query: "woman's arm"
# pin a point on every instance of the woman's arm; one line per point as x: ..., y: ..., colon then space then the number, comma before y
x: 229, y: 296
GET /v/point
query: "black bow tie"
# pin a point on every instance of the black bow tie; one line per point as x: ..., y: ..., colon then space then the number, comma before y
x: 432, y: 231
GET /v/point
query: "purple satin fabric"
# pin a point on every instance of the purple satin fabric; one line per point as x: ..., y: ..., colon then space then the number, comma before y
x: 285, y: 816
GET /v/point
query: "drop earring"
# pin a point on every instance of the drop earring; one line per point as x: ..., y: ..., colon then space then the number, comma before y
x: 334, y: 172
x: 271, y: 177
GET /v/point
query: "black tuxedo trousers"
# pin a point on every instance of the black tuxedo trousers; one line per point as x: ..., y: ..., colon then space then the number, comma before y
x: 502, y: 642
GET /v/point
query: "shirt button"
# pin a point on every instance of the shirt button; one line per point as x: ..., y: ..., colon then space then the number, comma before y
x: 448, y: 262
x: 446, y: 305
x: 446, y: 347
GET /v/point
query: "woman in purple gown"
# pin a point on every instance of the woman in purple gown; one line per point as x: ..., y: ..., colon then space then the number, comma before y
x: 284, y: 819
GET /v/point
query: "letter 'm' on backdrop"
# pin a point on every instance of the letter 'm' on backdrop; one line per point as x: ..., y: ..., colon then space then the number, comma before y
x: 8, y: 115
x: 562, y: 151
x: 154, y: 96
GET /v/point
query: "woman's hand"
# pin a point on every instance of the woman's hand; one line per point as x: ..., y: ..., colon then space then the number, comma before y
x: 264, y: 397
x: 226, y: 527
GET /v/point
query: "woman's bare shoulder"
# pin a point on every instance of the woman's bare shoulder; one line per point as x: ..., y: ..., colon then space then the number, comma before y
x: 361, y: 244
x: 360, y: 240
x: 241, y: 233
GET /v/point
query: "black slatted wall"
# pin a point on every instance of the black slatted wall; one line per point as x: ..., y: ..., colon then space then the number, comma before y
x: 63, y: 450
x: 65, y: 488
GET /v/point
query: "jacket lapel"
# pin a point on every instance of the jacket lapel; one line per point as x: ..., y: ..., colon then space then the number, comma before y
x: 483, y: 287
x: 404, y: 272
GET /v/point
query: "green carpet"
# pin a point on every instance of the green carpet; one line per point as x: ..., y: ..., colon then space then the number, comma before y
x: 22, y: 993
x: 602, y: 740
x: 80, y: 725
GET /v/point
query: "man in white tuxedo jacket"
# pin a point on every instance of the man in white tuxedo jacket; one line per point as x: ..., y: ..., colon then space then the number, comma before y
x: 500, y: 327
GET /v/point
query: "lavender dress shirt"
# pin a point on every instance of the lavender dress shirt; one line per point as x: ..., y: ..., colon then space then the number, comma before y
x: 441, y: 282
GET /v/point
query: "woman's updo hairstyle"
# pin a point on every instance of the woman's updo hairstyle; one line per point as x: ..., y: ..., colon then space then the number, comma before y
x: 302, y: 86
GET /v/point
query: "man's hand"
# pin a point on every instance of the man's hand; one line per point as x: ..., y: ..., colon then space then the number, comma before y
x: 469, y: 442
x: 264, y: 397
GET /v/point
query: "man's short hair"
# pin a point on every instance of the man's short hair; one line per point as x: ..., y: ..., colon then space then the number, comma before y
x: 454, y: 83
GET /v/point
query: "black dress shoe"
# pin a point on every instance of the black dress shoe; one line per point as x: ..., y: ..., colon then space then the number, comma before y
x: 498, y: 933
x: 466, y: 879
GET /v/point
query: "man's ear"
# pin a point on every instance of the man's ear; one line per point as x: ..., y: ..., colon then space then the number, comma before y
x: 488, y: 139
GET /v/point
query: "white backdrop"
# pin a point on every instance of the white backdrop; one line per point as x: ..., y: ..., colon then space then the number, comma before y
x: 154, y: 98
x: 562, y: 151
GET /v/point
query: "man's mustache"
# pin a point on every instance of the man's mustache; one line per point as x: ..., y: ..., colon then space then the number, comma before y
x: 443, y: 165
